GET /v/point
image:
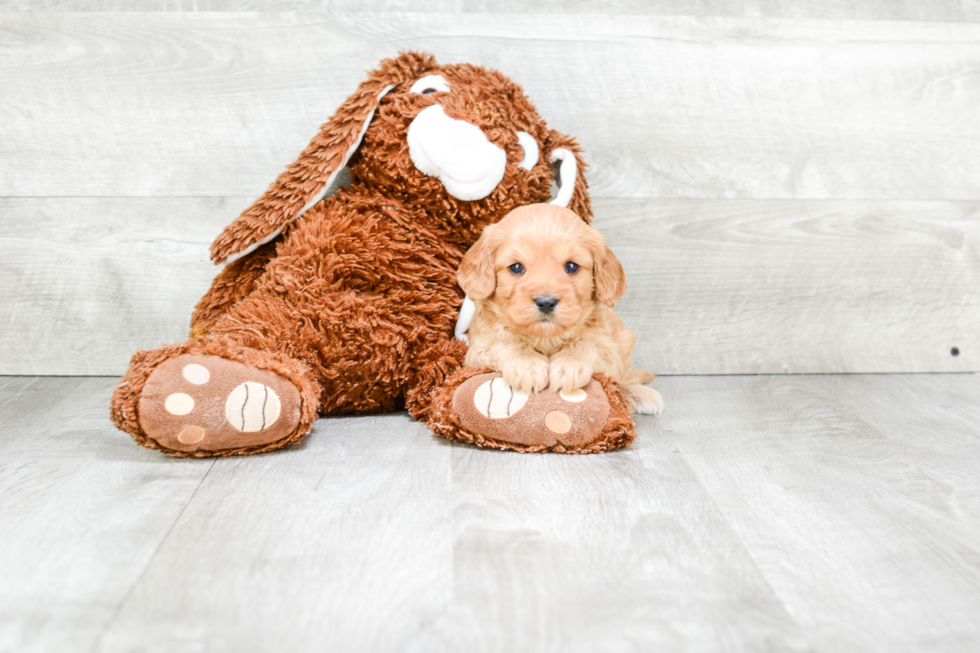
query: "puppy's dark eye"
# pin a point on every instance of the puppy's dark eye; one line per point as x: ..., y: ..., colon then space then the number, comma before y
x: 428, y: 91
x: 571, y: 267
x: 517, y: 268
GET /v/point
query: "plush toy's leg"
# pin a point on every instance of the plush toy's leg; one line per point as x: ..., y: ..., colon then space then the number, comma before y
x: 233, y: 283
x: 477, y: 406
x: 214, y: 397
x: 429, y: 373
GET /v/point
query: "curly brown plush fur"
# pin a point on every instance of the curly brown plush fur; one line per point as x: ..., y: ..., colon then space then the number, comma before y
x: 353, y: 298
x: 125, y: 399
x: 619, y: 430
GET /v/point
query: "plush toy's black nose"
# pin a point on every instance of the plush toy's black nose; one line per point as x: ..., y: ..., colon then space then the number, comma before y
x: 545, y: 304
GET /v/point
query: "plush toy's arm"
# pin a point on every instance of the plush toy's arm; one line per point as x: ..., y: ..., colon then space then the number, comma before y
x: 231, y: 285
x: 465, y: 318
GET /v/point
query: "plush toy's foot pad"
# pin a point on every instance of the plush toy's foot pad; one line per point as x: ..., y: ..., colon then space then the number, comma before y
x: 488, y: 406
x: 197, y: 402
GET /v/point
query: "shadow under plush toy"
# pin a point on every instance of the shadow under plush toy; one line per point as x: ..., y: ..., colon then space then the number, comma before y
x: 347, y: 304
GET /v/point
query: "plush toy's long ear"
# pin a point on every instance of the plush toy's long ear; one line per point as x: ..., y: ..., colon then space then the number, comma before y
x: 306, y: 180
x: 477, y: 275
x: 566, y: 160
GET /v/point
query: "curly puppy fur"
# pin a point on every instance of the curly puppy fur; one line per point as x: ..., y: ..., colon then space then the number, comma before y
x: 544, y: 283
x: 355, y: 295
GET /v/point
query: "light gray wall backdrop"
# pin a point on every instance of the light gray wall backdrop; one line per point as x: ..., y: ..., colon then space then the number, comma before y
x: 792, y: 187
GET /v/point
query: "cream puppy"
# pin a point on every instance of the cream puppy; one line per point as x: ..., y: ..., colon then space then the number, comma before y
x: 543, y: 282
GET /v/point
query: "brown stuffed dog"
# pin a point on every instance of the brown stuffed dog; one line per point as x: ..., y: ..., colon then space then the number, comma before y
x: 348, y: 304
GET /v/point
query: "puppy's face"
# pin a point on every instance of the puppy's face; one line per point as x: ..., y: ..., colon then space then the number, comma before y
x: 543, y: 268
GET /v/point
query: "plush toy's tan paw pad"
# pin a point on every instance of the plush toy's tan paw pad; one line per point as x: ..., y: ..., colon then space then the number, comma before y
x: 488, y: 406
x: 496, y: 399
x: 207, y: 403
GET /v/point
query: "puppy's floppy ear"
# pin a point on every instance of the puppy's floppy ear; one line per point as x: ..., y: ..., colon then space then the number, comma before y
x: 306, y: 180
x: 607, y: 271
x: 477, y: 275
x: 569, y: 167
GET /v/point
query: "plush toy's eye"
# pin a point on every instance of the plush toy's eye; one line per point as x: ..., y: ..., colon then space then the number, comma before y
x: 571, y: 267
x: 430, y: 84
x: 530, y: 146
x: 516, y: 268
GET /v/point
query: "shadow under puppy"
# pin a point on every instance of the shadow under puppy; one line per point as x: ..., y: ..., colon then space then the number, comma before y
x: 544, y: 282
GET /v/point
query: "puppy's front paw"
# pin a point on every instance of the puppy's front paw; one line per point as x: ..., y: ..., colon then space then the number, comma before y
x: 569, y: 375
x: 530, y: 376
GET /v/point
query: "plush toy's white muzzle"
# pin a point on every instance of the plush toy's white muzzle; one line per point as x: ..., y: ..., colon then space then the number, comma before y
x: 457, y: 153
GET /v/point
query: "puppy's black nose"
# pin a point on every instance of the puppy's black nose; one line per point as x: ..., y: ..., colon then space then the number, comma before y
x: 545, y: 304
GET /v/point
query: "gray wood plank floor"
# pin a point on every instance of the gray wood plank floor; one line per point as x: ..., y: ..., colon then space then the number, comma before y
x: 780, y: 513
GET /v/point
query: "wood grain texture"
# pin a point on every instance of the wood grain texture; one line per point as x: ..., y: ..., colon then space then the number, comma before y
x: 82, y: 510
x: 729, y: 287
x: 936, y: 10
x: 613, y: 552
x: 807, y: 513
x: 849, y: 493
x: 85, y: 282
x: 715, y: 286
x: 340, y: 544
x: 212, y: 103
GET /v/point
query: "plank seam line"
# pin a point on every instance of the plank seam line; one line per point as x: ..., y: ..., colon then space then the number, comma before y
x: 336, y: 15
x: 125, y: 599
x: 741, y: 544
